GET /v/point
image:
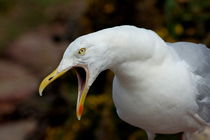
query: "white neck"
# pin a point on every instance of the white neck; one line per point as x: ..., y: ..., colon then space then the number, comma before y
x: 138, y: 47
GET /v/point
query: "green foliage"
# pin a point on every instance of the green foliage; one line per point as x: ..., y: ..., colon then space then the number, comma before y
x: 192, y: 16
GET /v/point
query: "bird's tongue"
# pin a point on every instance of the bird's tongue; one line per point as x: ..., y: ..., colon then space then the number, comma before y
x: 82, y: 75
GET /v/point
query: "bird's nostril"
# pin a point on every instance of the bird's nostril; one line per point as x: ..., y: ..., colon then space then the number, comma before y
x: 50, y: 78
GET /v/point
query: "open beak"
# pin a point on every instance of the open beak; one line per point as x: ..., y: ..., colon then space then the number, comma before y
x: 83, y: 77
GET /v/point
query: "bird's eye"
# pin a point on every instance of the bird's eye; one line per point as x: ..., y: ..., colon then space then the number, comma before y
x: 82, y: 51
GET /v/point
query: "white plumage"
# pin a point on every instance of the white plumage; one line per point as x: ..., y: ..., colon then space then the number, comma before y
x: 159, y: 87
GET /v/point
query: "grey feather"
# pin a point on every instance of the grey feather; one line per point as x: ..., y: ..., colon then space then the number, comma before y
x: 197, y: 56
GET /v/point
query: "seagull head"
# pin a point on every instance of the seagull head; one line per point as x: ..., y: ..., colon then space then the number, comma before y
x: 87, y: 55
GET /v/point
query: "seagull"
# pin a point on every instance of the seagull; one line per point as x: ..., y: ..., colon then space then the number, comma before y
x: 158, y: 86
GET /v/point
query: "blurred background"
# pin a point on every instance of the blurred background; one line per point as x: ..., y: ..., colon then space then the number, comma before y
x: 33, y: 37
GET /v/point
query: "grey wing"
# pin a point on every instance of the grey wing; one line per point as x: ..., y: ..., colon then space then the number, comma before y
x: 198, y: 58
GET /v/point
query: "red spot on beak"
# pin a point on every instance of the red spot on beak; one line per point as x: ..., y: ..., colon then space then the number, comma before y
x: 80, y: 109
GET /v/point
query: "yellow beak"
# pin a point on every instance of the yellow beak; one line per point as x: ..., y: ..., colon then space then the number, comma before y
x: 82, y: 92
x: 49, y: 79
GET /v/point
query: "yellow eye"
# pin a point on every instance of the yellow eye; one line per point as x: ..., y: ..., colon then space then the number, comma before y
x: 82, y: 51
